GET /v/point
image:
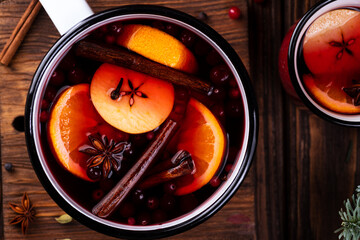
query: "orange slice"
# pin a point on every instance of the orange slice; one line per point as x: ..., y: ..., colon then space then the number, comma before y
x: 328, y: 92
x: 202, y: 136
x: 158, y: 46
x: 71, y: 118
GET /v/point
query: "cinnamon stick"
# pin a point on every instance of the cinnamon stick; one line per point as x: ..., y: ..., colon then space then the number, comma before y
x: 19, y: 32
x: 122, y: 57
x: 113, y: 199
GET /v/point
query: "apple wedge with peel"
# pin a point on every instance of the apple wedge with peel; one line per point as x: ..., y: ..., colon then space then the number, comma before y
x: 130, y: 101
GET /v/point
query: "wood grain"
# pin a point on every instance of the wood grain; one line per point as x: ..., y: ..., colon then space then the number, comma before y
x: 301, y: 174
x: 235, y: 221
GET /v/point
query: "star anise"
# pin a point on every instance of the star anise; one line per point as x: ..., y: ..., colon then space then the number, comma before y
x: 25, y: 211
x: 343, y: 46
x: 354, y: 93
x: 133, y: 91
x: 105, y: 153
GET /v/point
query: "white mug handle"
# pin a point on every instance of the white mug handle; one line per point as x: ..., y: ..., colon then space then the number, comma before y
x: 66, y: 13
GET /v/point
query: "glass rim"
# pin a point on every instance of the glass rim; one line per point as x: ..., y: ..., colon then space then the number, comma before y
x: 304, y: 23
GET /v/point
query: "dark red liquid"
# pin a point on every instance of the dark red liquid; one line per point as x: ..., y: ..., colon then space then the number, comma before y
x: 157, y: 204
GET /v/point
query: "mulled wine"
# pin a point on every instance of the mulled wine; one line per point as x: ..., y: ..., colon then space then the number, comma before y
x: 141, y: 122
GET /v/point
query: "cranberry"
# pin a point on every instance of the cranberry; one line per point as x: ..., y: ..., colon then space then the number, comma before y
x: 167, y: 202
x: 218, y: 93
x: 97, y: 194
x: 152, y: 203
x: 158, y: 216
x: 127, y: 209
x: 215, y: 181
x: 188, y: 203
x: 220, y: 74
x: 50, y: 93
x: 45, y: 104
x: 172, y: 29
x: 181, y: 94
x: 159, y: 25
x: 110, y: 39
x: 150, y: 135
x: 219, y: 111
x: 213, y: 58
x: 187, y: 38
x: 234, y: 108
x: 94, y: 173
x: 57, y: 78
x: 234, y: 93
x: 131, y: 221
x: 138, y: 197
x: 68, y: 62
x: 234, y: 12
x: 44, y: 116
x: 144, y: 218
x: 170, y: 187
x: 77, y: 75
x: 115, y: 28
x: 201, y: 48
x: 228, y: 167
x: 233, y: 83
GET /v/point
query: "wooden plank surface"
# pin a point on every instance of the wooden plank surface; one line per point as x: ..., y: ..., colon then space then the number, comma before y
x: 235, y: 221
x: 302, y: 177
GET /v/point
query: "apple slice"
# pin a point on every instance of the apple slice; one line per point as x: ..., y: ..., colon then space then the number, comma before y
x: 73, y: 117
x: 158, y: 46
x: 131, y: 101
x: 332, y: 43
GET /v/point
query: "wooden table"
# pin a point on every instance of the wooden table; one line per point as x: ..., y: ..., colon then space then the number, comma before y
x: 299, y: 177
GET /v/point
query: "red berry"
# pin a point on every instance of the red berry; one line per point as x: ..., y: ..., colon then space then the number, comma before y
x: 234, y: 108
x: 144, y: 218
x: 57, y: 78
x: 169, y: 187
x: 131, y: 221
x: 110, y: 39
x: 218, y: 93
x: 234, y: 93
x: 187, y: 38
x: 220, y: 74
x: 50, y: 93
x: 77, y: 75
x: 228, y: 167
x: 44, y: 116
x: 167, y: 202
x: 152, y: 203
x: 97, y: 194
x: 215, y: 181
x: 45, y: 104
x: 150, y: 135
x: 172, y: 29
x: 116, y: 28
x: 234, y: 12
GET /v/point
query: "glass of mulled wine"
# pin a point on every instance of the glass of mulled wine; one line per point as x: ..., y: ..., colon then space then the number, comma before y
x: 324, y: 61
x: 141, y: 122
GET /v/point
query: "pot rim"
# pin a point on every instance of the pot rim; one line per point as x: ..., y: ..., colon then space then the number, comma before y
x: 39, y: 82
